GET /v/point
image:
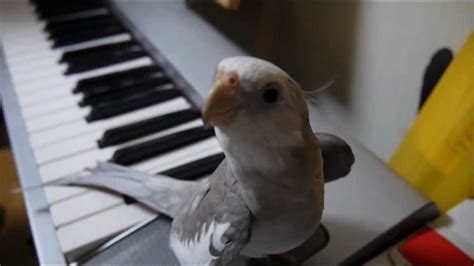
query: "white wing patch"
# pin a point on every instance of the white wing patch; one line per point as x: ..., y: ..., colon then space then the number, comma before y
x: 197, y: 250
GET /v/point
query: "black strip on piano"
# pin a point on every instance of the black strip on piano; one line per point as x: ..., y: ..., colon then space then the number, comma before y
x: 146, y: 127
x: 122, y: 92
x: 143, y: 151
x: 101, y: 56
x: 120, y: 107
x: 196, y: 169
x: 56, y: 28
x: 88, y: 34
x: 102, y: 84
x: 55, y: 8
x: 95, y: 51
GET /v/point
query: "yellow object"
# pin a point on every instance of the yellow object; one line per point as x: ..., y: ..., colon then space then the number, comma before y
x: 229, y: 4
x: 437, y: 154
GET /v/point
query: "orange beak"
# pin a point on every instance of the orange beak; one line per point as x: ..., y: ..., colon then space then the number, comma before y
x: 222, y: 104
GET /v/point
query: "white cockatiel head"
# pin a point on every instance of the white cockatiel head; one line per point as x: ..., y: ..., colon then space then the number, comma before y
x: 254, y: 104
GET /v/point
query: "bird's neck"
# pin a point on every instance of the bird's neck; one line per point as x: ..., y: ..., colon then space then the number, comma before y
x: 263, y: 172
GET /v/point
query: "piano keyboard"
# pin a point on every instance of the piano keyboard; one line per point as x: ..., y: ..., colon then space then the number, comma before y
x: 90, y: 92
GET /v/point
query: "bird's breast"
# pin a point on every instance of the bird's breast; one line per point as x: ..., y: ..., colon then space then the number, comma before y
x: 285, y: 223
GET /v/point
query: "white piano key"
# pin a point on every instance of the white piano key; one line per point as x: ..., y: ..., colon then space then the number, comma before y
x: 38, y: 56
x: 54, y: 194
x: 28, y: 67
x: 38, y: 110
x: 31, y: 64
x: 87, y: 142
x: 13, y: 51
x: 38, y: 74
x: 26, y: 85
x: 49, y: 85
x: 56, y: 134
x: 84, y: 205
x: 39, y: 48
x: 12, y: 46
x: 56, y: 119
x: 86, y: 234
x: 27, y: 35
x: 80, y: 127
x: 63, y: 149
x: 73, y: 165
x: 22, y: 25
x: 45, y: 95
x: 21, y: 31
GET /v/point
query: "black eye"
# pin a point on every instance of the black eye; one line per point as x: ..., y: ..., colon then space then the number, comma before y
x: 270, y: 95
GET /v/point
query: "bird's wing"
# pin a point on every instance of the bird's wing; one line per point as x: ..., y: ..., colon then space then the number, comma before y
x: 201, y: 237
x: 337, y: 156
x: 161, y: 193
x: 215, y: 231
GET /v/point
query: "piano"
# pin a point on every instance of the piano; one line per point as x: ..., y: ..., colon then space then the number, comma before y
x: 122, y: 81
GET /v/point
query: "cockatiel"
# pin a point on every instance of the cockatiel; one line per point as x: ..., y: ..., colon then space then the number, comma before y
x: 267, y: 196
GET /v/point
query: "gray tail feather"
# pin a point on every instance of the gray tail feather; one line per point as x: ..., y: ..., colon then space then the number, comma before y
x: 161, y: 193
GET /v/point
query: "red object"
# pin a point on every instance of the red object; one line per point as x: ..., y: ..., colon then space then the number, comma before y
x: 430, y: 248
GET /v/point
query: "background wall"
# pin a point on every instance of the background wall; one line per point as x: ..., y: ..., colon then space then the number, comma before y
x: 376, y: 51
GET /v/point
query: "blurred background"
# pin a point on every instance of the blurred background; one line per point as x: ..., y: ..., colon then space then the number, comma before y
x: 375, y: 51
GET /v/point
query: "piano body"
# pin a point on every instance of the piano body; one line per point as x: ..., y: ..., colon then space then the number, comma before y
x: 94, y: 86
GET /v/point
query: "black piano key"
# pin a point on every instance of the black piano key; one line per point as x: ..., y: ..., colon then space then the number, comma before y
x: 143, y: 151
x: 140, y: 101
x: 87, y: 35
x: 51, y: 9
x: 104, y: 83
x: 146, y: 127
x: 196, y: 169
x: 126, y: 99
x: 96, y: 51
x: 62, y: 13
x: 190, y: 171
x: 122, y: 92
x: 106, y: 59
x: 60, y: 27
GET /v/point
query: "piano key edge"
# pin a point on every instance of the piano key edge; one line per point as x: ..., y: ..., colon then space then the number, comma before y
x: 41, y: 224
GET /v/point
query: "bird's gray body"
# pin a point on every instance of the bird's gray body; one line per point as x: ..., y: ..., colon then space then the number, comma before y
x: 286, y: 202
x: 221, y: 204
x: 263, y: 216
x: 267, y: 196
x: 254, y: 227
